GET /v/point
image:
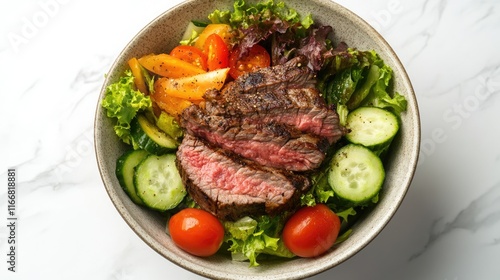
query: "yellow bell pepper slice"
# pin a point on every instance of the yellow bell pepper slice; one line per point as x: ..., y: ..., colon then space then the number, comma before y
x: 139, y: 81
x: 221, y: 29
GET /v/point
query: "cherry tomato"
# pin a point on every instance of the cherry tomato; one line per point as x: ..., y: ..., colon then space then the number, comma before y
x: 217, y: 52
x: 192, y: 55
x: 257, y: 57
x: 311, y: 231
x: 196, y: 231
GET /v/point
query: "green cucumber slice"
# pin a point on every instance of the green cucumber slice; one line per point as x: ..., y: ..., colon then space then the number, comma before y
x: 169, y: 125
x: 147, y: 136
x: 158, y: 182
x: 356, y: 174
x: 372, y: 127
x: 125, y: 166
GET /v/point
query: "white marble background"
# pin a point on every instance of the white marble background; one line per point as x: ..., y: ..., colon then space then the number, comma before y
x: 54, y: 54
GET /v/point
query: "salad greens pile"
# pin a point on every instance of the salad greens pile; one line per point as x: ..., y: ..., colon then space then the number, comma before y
x: 346, y: 77
x: 251, y: 237
x: 352, y: 78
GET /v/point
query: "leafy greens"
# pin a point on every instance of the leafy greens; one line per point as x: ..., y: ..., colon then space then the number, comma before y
x: 250, y: 237
x: 353, y: 78
x: 122, y: 102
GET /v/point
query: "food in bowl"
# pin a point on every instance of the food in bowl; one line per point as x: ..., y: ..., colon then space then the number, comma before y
x: 255, y: 116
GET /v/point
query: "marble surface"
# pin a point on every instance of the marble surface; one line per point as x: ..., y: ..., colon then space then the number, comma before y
x: 55, y: 54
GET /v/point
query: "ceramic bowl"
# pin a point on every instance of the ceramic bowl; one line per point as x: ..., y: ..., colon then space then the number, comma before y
x: 161, y: 35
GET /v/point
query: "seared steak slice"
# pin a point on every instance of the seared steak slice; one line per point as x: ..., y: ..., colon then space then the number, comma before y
x: 293, y: 74
x: 230, y: 187
x: 282, y: 94
x: 269, y: 144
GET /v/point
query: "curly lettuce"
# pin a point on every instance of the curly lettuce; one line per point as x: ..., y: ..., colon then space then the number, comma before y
x: 249, y: 238
x: 244, y: 16
x: 122, y: 101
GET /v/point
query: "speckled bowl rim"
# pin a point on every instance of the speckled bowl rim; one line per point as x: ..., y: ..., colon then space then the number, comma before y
x: 217, y: 267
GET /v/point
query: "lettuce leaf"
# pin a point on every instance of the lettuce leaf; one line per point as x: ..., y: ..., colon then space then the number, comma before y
x: 344, y: 214
x: 322, y: 190
x: 360, y: 93
x: 122, y: 102
x: 245, y: 15
x: 379, y: 95
x: 249, y: 237
x: 364, y: 80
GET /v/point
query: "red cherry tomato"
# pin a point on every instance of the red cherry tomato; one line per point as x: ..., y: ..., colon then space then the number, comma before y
x: 311, y: 231
x: 257, y: 57
x: 217, y: 52
x: 196, y: 231
x: 192, y: 55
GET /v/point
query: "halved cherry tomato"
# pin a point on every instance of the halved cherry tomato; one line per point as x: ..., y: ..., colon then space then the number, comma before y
x: 217, y: 52
x: 196, y: 231
x: 192, y: 55
x: 257, y: 57
x: 311, y: 231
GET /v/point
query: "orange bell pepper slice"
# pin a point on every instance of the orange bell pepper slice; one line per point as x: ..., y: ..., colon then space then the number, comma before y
x: 191, y: 88
x: 168, y: 66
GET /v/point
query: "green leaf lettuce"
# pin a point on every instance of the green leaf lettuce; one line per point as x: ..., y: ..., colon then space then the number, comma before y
x: 357, y: 78
x: 122, y: 102
x: 249, y: 237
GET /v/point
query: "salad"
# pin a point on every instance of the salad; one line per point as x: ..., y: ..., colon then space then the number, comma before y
x: 148, y: 101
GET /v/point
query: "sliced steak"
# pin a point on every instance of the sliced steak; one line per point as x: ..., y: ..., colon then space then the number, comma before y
x: 282, y: 94
x: 269, y: 144
x: 293, y: 74
x: 232, y: 188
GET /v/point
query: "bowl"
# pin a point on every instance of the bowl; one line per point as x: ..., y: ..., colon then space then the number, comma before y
x: 161, y: 35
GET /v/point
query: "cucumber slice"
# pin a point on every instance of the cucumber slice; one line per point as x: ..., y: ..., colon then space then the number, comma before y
x: 192, y: 31
x: 147, y: 136
x: 125, y: 166
x: 169, y: 125
x: 372, y: 127
x: 158, y: 182
x: 356, y: 174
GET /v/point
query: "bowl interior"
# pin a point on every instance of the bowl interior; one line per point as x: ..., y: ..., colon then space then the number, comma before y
x: 161, y: 35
